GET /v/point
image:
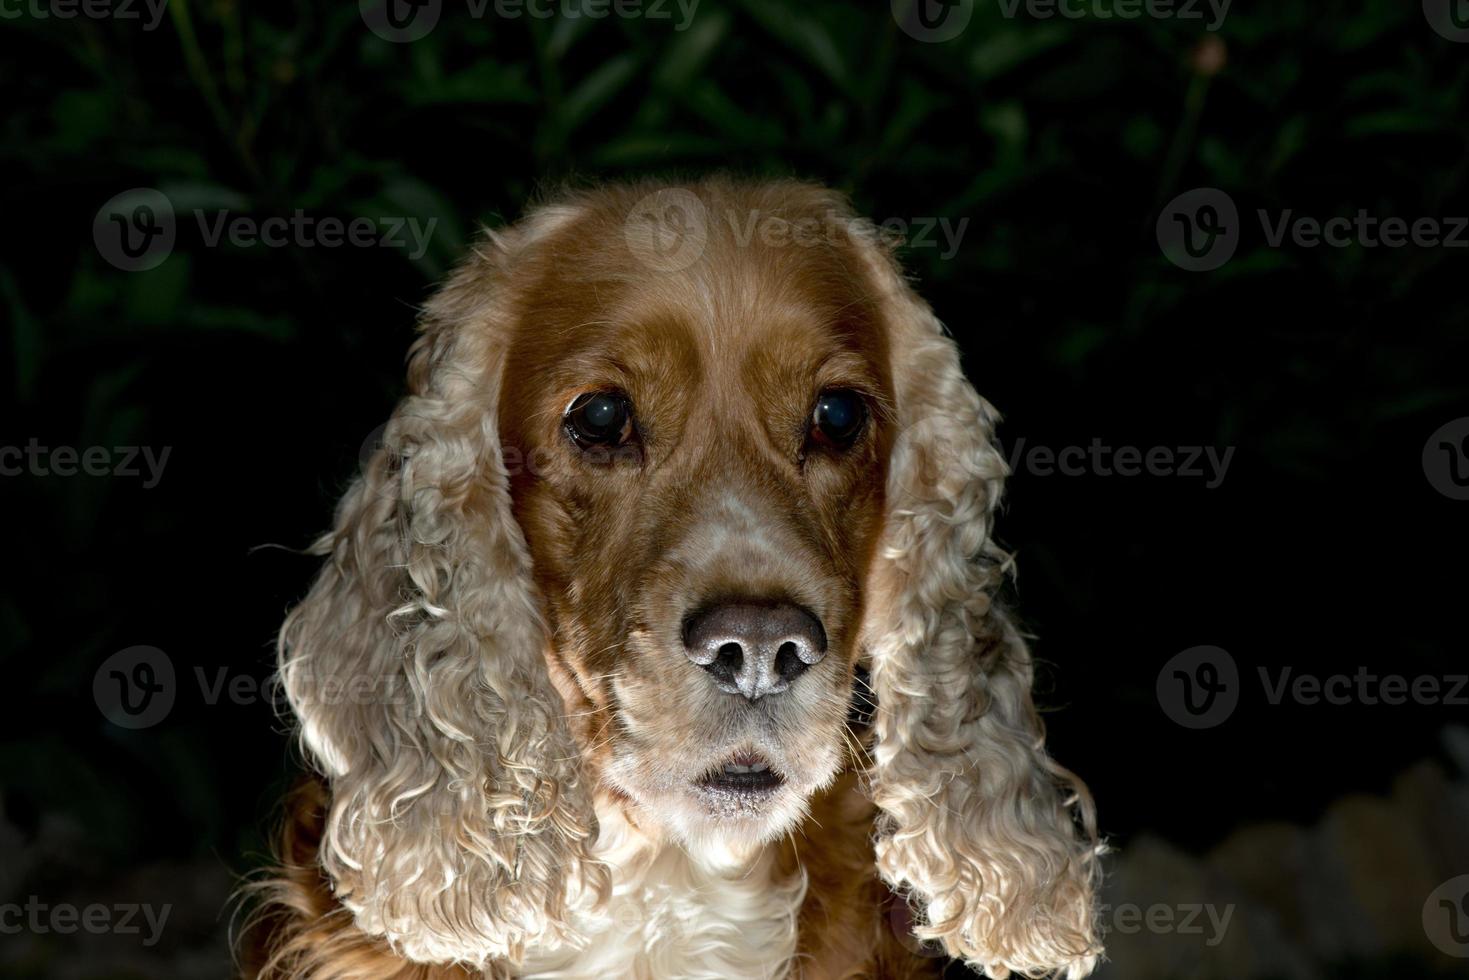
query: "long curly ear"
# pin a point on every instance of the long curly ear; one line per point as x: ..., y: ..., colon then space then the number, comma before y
x: 994, y: 841
x: 459, y: 827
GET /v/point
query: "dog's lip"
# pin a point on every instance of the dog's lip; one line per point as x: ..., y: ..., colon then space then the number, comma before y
x: 743, y: 773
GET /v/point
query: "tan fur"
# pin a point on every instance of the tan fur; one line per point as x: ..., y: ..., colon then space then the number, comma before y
x: 523, y: 770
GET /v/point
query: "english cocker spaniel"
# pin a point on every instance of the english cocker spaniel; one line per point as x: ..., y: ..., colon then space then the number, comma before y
x: 679, y: 469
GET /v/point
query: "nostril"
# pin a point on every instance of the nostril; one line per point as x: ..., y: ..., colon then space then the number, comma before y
x: 727, y: 662
x: 788, y: 662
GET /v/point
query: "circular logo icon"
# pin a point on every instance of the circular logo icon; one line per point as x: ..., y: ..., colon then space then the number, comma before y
x: 134, y: 688
x: 1446, y: 459
x: 932, y: 473
x: 668, y: 229
x: 900, y: 919
x: 1199, y: 230
x: 376, y: 443
x: 1199, y: 688
x: 1446, y: 917
x: 135, y: 230
x: 933, y: 21
x: 401, y: 21
x: 375, y: 440
x: 1449, y: 18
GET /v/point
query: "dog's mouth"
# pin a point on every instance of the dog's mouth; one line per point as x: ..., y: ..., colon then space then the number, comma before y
x: 745, y: 775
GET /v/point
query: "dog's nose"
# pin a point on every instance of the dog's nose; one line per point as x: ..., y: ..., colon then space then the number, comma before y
x: 752, y: 648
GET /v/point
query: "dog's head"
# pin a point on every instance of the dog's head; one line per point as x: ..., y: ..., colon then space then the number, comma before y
x: 675, y: 462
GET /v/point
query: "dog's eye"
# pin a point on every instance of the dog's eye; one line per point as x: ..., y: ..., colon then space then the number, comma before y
x: 601, y: 418
x: 838, y: 418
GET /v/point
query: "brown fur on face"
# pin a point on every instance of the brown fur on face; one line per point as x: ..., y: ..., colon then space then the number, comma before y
x: 721, y: 496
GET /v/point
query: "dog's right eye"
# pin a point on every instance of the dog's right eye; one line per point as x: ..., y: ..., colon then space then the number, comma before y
x: 600, y: 418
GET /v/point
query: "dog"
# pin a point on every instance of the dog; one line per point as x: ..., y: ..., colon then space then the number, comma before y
x: 685, y: 473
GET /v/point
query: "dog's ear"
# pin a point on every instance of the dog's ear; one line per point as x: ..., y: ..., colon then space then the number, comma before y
x: 459, y: 827
x: 993, y: 841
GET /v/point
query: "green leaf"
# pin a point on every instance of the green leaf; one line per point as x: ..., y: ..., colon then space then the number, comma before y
x: 685, y: 57
x: 26, y: 331
x: 595, y: 91
x: 803, y: 34
x: 156, y: 296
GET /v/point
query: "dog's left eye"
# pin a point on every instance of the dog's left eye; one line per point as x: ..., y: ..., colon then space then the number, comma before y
x: 838, y: 418
x: 601, y: 418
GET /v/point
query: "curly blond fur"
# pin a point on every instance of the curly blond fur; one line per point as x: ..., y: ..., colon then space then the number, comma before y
x: 459, y: 827
x: 993, y: 839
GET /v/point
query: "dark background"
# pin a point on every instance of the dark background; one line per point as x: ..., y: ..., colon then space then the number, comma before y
x: 1325, y: 548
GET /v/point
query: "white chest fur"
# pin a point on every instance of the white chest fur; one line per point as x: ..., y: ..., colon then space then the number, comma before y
x: 676, y: 914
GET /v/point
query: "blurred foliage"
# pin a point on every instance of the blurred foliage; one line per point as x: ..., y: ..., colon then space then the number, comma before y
x: 1058, y: 140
